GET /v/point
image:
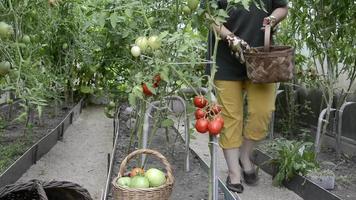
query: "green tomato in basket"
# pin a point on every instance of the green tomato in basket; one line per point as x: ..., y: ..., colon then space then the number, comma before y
x: 156, y: 177
x: 124, y: 181
x: 139, y: 182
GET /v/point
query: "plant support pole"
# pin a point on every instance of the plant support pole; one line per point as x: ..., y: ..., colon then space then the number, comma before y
x: 339, y: 126
x: 318, y: 132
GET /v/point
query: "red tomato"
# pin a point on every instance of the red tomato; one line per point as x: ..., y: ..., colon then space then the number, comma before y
x: 157, y: 80
x: 215, y: 109
x: 220, y: 119
x: 215, y: 127
x: 137, y: 171
x: 202, y: 125
x: 200, y: 101
x: 145, y: 89
x: 199, y: 113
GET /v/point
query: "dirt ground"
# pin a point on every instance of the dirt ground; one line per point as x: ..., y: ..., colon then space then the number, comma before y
x: 191, y: 185
x: 14, y: 141
x: 82, y: 155
x: 345, y: 171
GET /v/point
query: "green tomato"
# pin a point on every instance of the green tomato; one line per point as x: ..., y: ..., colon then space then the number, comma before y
x: 142, y: 43
x: 111, y: 104
x: 26, y: 39
x: 136, y: 51
x: 65, y: 46
x: 154, y: 42
x: 139, y: 182
x: 5, y: 68
x: 155, y: 177
x: 151, y: 20
x: 186, y: 10
x: 5, y: 30
x: 124, y: 181
x: 193, y: 4
x: 10, y: 101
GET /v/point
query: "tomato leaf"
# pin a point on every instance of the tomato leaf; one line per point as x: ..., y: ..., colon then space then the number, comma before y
x: 114, y: 19
x: 167, y: 123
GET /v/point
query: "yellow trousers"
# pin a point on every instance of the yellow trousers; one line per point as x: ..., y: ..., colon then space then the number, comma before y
x: 260, y: 105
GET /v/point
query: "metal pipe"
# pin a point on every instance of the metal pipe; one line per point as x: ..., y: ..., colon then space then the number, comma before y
x: 318, y: 132
x: 213, y: 165
x: 146, y: 126
x: 201, y: 90
x: 339, y: 126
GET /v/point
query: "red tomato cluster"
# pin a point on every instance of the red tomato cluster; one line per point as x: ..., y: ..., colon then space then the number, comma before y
x: 156, y: 81
x: 207, y: 116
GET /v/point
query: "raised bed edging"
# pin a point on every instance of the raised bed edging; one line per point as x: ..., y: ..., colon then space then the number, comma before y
x: 40, y: 148
x: 300, y: 185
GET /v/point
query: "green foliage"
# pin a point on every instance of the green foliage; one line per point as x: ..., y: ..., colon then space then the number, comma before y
x: 9, y: 153
x: 323, y: 35
x: 291, y: 158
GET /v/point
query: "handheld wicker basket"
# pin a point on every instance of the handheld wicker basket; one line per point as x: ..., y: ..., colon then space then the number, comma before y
x: 157, y: 193
x: 35, y: 189
x: 270, y: 64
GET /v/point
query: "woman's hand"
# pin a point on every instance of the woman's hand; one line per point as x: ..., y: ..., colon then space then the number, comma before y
x: 270, y: 20
x: 237, y: 46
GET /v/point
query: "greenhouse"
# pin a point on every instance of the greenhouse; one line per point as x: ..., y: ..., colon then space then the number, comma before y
x: 177, y: 99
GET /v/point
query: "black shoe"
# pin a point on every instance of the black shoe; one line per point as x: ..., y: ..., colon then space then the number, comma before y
x: 250, y: 178
x: 238, y: 187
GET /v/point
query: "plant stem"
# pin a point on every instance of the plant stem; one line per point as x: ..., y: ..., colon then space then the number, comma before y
x: 143, y: 10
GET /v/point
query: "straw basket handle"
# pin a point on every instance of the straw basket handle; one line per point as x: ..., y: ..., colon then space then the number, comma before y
x: 267, y: 38
x: 147, y: 151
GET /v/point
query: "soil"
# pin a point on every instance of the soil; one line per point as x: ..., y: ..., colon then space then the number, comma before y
x: 345, y: 171
x: 15, y: 139
x: 188, y: 185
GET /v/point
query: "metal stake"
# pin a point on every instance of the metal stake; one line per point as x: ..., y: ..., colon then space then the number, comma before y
x: 213, y: 165
x: 318, y: 132
x: 339, y: 126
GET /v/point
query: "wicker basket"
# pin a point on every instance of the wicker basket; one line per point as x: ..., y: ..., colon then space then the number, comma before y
x: 270, y: 64
x: 35, y: 189
x: 157, y: 193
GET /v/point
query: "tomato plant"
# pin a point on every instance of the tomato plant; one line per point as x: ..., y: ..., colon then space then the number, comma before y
x: 215, y: 126
x: 220, y: 119
x: 201, y: 125
x: 145, y: 90
x: 200, y: 101
x: 200, y: 113
x: 215, y: 109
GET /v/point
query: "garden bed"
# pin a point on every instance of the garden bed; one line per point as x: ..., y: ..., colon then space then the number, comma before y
x: 188, y: 185
x: 20, y: 149
x: 344, y: 169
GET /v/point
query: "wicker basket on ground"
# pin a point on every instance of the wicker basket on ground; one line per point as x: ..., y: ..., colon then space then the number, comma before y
x: 39, y: 190
x: 270, y: 64
x: 156, y: 193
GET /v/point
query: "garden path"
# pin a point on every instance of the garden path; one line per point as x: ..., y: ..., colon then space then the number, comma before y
x: 262, y: 191
x: 82, y: 155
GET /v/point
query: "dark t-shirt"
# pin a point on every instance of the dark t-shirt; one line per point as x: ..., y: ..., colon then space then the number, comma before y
x: 246, y: 25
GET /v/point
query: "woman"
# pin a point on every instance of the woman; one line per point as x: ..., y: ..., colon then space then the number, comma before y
x: 243, y: 28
